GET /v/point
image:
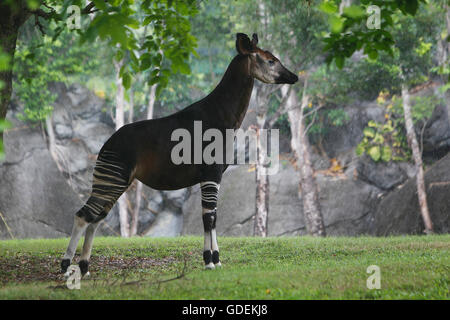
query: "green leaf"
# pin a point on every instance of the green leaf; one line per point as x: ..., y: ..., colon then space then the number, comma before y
x: 126, y: 80
x: 360, y: 148
x: 336, y: 24
x: 339, y: 62
x: 386, y: 154
x: 372, y: 124
x: 5, y: 60
x: 354, y: 11
x: 100, y: 4
x: 119, y: 55
x: 373, y: 55
x: 146, y: 62
x: 4, y: 124
x: 33, y: 4
x: 369, y: 132
x: 328, y: 7
x: 378, y: 138
x: 375, y: 153
x: 411, y: 6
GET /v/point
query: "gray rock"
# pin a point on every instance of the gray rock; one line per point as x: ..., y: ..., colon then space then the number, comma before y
x: 346, y: 137
x: 384, y: 175
x: 74, y: 157
x: 63, y: 131
x: 319, y: 162
x: 399, y: 212
x: 35, y: 199
x: 176, y: 197
x: 234, y: 210
x: 346, y: 205
x: 93, y: 134
x: 167, y: 224
x: 436, y: 136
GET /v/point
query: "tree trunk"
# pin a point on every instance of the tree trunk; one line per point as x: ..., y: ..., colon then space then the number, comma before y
x: 262, y: 95
x: 131, y: 107
x: 420, y: 180
x: 12, y: 16
x: 120, y: 119
x: 135, y: 213
x: 301, y: 147
x: 52, y: 141
x: 262, y: 186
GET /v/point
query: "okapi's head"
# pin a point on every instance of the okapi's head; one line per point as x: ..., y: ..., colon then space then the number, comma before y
x: 264, y: 66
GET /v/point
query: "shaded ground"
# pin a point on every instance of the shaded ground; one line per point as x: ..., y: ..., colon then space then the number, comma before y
x: 26, y: 268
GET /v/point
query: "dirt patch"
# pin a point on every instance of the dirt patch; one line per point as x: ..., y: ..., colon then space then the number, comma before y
x: 26, y: 268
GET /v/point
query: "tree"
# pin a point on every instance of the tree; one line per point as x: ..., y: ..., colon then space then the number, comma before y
x: 301, y: 147
x: 112, y: 20
x: 407, y: 43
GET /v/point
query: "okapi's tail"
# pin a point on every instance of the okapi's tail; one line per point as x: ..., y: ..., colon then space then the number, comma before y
x: 112, y: 177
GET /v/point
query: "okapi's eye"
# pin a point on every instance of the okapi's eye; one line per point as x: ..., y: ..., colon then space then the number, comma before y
x: 271, y: 62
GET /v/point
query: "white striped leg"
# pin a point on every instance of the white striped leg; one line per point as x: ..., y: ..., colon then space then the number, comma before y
x: 87, y: 248
x: 210, y: 191
x: 111, y: 179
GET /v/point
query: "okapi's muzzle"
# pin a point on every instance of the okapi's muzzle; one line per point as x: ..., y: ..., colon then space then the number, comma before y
x: 286, y: 77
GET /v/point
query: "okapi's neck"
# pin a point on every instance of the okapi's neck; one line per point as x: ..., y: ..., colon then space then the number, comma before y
x: 229, y: 100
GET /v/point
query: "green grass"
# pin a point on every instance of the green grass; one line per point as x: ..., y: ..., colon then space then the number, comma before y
x: 412, y: 267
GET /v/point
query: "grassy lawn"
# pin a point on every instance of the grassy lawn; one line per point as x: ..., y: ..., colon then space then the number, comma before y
x: 411, y: 267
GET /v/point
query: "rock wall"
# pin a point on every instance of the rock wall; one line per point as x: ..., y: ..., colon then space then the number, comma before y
x: 236, y: 208
x: 35, y: 199
x: 39, y: 200
x: 362, y: 197
x: 399, y: 211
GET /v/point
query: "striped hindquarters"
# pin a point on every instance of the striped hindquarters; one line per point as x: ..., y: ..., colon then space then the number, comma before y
x: 111, y: 179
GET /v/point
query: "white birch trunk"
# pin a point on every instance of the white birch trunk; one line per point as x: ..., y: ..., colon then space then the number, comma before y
x: 135, y: 213
x: 120, y: 121
x: 301, y: 147
x: 52, y: 141
x: 417, y: 156
x: 262, y: 185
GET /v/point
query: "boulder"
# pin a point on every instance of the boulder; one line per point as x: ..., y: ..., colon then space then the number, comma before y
x: 436, y: 136
x: 339, y: 139
x: 35, y: 199
x: 399, y: 212
x: 166, y: 224
x: 383, y: 175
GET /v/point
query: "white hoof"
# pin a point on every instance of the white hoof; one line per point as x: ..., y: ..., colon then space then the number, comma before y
x: 218, y: 265
x: 210, y: 266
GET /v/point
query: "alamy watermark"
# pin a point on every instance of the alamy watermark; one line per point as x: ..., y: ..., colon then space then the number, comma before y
x: 191, y: 150
x: 74, y: 18
x: 374, y: 280
x: 74, y: 277
x: 374, y: 19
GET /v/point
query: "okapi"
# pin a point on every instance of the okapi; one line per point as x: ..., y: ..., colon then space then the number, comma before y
x: 142, y: 150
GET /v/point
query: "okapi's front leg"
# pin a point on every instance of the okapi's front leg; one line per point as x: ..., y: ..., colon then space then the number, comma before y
x: 210, y: 191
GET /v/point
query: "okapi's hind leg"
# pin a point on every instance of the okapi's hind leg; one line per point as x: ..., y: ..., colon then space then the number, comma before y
x: 79, y: 225
x: 111, y: 178
x: 87, y: 248
x: 210, y: 191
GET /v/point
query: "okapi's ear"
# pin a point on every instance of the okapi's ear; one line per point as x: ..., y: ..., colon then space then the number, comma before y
x: 254, y: 39
x: 243, y: 44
